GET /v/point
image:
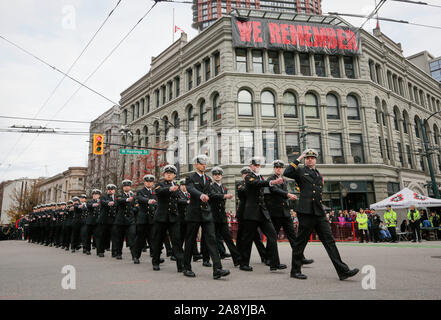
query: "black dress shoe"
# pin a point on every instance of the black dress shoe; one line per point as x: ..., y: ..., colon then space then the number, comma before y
x: 118, y: 257
x: 206, y: 264
x: 180, y: 269
x: 67, y: 249
x: 73, y: 250
x: 88, y: 253
x: 279, y: 267
x: 189, y: 273
x: 136, y: 261
x: 101, y: 255
x: 299, y: 275
x: 161, y: 260
x: 196, y: 258
x: 144, y: 250
x: 307, y: 261
x: 236, y: 263
x: 246, y: 268
x: 349, y: 274
x: 225, y: 255
x: 220, y: 273
x: 156, y: 267
x: 173, y: 258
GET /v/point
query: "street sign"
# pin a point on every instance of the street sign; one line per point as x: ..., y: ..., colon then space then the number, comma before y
x: 134, y: 151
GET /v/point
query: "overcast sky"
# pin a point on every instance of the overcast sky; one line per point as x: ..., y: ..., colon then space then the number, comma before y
x: 57, y: 31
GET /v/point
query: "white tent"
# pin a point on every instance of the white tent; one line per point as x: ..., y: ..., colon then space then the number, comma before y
x: 404, y: 199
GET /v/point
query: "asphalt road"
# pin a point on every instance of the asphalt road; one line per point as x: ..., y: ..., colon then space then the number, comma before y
x: 402, y: 271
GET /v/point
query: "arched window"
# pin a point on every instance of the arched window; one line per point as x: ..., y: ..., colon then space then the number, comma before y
x: 216, y: 108
x: 145, y: 132
x: 125, y: 116
x: 190, y: 117
x: 176, y: 120
x: 166, y: 127
x: 268, y: 106
x: 353, y: 110
x: 289, y: 105
x: 132, y: 110
x: 157, y: 132
x: 396, y: 119
x: 138, y: 137
x: 147, y: 104
x: 311, y: 106
x: 332, y: 111
x: 202, y: 114
x: 245, y: 103
x: 137, y: 110
x: 405, y: 122
x: 142, y: 107
x: 435, y: 135
x: 417, y: 127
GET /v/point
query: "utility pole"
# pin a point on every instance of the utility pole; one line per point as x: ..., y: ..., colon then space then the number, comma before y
x: 428, y: 156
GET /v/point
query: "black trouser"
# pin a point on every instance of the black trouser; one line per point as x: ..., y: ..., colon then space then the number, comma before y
x: 362, y: 233
x: 257, y: 241
x: 415, y: 229
x: 67, y: 233
x: 167, y: 244
x: 223, y: 231
x: 220, y: 242
x: 209, y: 236
x: 183, y: 227
x: 118, y: 234
x: 375, y: 234
x: 83, y: 236
x: 143, y: 232
x: 160, y: 231
x: 288, y: 227
x: 308, y: 223
x: 393, y: 233
x: 248, y: 236
x: 75, y: 236
x: 100, y: 232
x: 48, y: 234
x: 90, y: 231
x: 25, y: 233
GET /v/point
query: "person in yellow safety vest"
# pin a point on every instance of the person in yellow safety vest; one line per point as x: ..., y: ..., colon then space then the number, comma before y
x: 414, y: 221
x: 362, y: 220
x: 390, y: 218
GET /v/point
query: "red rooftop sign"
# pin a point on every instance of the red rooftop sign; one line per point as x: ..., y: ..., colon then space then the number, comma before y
x: 296, y: 36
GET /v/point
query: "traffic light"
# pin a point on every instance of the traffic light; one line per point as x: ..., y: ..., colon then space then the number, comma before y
x: 98, y: 144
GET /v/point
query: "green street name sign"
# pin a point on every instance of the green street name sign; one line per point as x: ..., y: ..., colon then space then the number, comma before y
x: 134, y: 151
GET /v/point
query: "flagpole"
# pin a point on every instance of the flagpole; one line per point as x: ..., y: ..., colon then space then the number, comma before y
x: 173, y: 25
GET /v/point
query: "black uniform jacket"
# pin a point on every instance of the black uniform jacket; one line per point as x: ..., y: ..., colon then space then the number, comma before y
x: 125, y: 213
x: 255, y: 208
x: 94, y: 213
x: 278, y: 205
x: 79, y: 212
x: 109, y: 211
x: 146, y: 211
x: 242, y: 196
x: 198, y: 211
x: 310, y: 183
x: 183, y: 205
x: 167, y: 210
x: 217, y: 202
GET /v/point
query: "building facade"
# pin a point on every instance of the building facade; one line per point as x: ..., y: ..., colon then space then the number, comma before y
x: 206, y: 12
x: 102, y: 169
x: 9, y: 190
x: 63, y: 186
x: 428, y: 63
x: 361, y: 112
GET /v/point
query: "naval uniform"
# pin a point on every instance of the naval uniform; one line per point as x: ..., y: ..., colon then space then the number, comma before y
x: 311, y: 217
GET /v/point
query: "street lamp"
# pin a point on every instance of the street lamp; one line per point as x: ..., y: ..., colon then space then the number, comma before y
x: 176, y: 128
x: 125, y: 132
x: 428, y: 154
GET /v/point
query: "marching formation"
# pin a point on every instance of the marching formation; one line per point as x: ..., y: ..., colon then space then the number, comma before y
x: 172, y: 214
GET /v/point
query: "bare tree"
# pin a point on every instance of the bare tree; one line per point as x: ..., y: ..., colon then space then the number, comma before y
x: 23, y: 199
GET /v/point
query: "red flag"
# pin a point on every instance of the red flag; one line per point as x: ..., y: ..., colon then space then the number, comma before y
x: 177, y: 28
